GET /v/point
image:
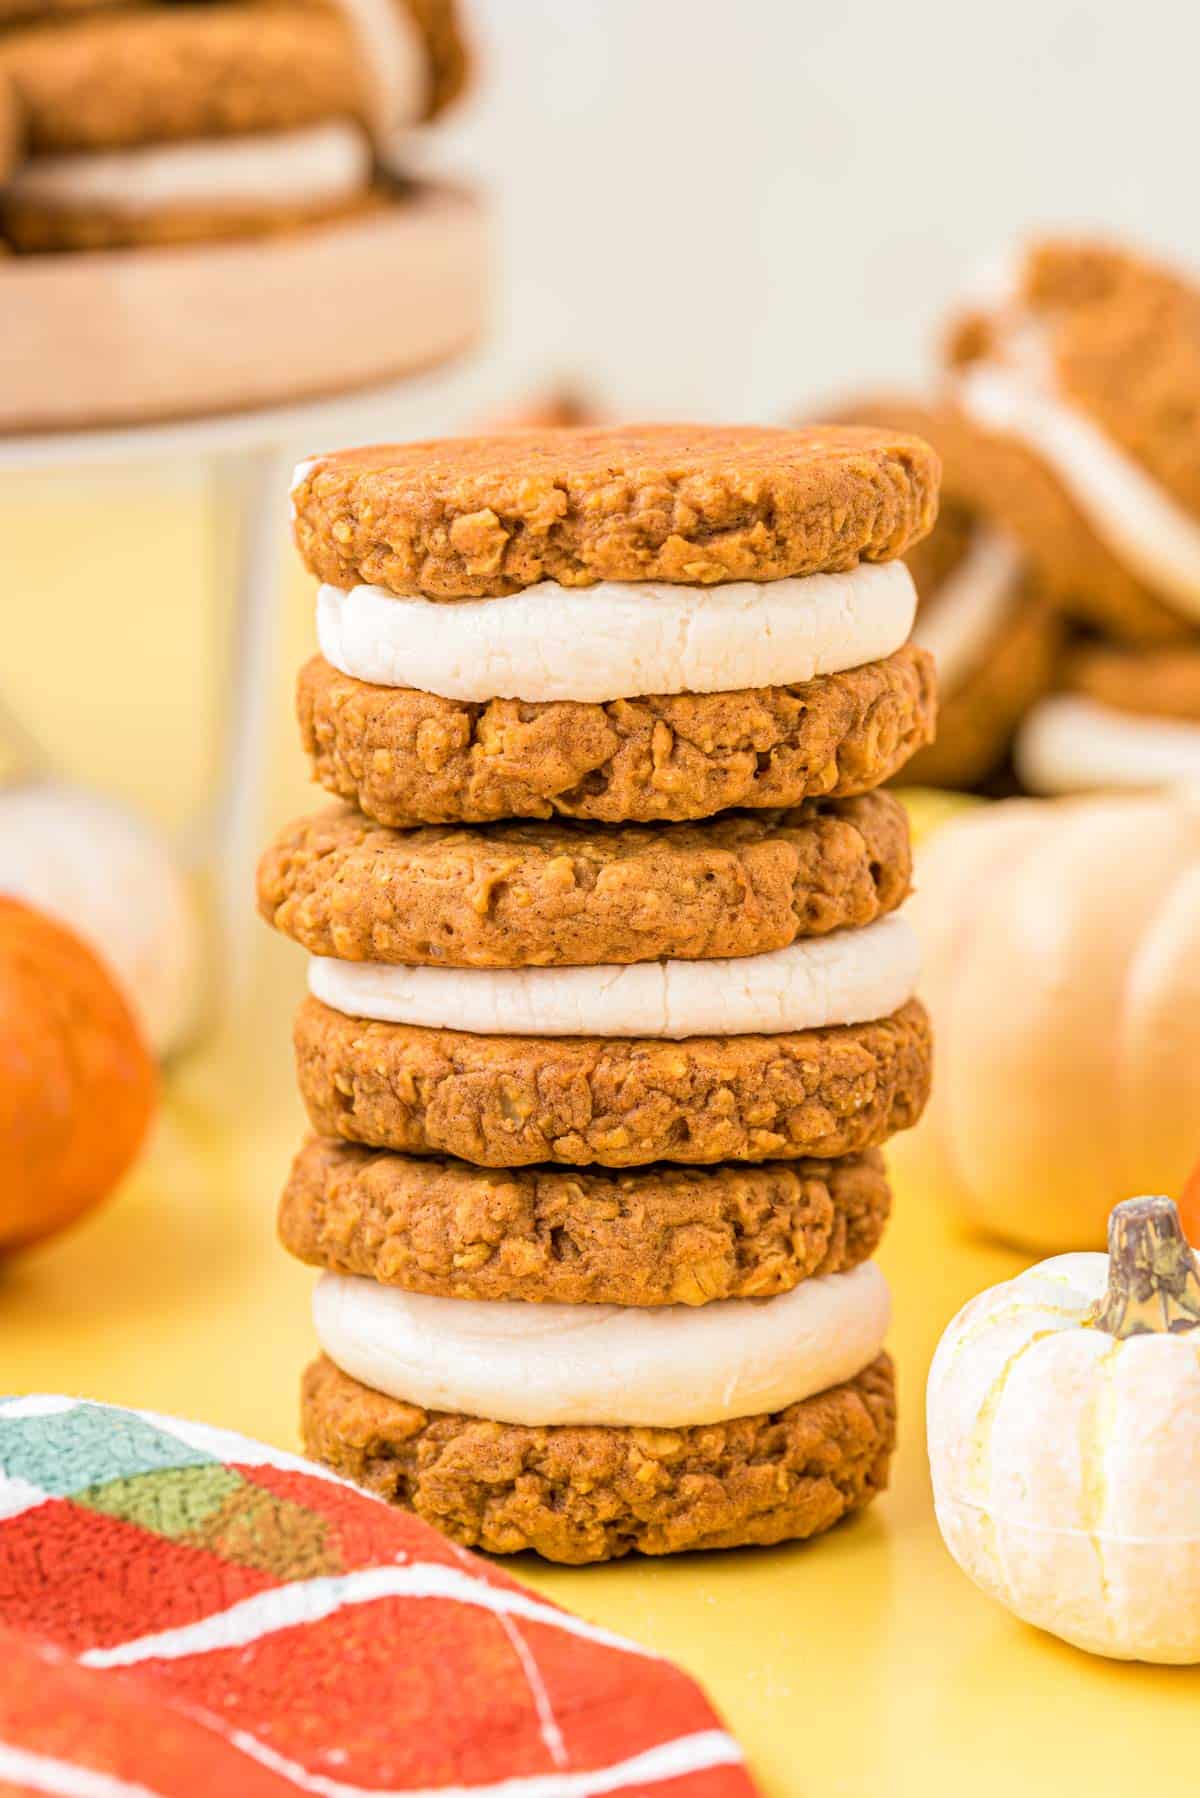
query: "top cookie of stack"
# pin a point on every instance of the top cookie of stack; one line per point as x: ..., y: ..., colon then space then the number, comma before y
x: 636, y: 624
x: 154, y: 124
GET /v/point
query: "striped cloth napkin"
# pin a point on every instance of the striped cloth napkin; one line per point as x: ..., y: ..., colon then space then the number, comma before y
x: 186, y: 1612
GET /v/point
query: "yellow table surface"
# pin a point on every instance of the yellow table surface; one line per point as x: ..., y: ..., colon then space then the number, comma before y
x: 862, y: 1664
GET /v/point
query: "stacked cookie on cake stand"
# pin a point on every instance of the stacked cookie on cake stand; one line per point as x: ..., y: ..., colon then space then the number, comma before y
x: 610, y: 1006
x: 206, y: 209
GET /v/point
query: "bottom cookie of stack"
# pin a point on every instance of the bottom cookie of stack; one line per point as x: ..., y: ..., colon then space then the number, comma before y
x: 576, y: 1494
x: 587, y: 1430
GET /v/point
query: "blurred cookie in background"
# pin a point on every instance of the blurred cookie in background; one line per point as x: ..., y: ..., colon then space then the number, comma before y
x: 1086, y: 357
x: 550, y: 407
x: 11, y: 128
x: 22, y: 12
x: 1125, y: 719
x: 163, y: 124
x: 413, y: 51
x: 983, y: 613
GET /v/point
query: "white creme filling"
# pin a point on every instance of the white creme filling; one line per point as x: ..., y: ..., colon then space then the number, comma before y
x: 618, y: 640
x: 1072, y: 744
x: 850, y: 977
x: 1147, y: 530
x: 396, y: 59
x: 311, y: 167
x: 969, y: 609
x: 604, y: 1364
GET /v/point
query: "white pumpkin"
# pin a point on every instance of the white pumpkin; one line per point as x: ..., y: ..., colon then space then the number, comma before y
x: 1064, y: 1442
x: 109, y: 877
x: 1061, y: 952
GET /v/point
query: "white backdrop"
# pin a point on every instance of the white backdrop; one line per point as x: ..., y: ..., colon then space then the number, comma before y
x: 729, y: 208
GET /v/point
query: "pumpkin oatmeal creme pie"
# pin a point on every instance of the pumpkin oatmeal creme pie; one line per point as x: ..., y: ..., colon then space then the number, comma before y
x: 639, y: 624
x: 172, y: 124
x: 598, y: 1100
x: 583, y: 1246
x: 983, y: 613
x: 734, y: 990
x: 1091, y: 360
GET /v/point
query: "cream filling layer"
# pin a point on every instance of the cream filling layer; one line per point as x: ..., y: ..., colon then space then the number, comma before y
x: 312, y: 167
x: 396, y: 58
x: 1148, y: 531
x: 849, y: 977
x: 604, y: 1364
x: 617, y: 640
x: 1072, y: 744
x: 969, y: 608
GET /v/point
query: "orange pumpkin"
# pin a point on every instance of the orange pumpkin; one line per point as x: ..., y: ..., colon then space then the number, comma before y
x: 1189, y: 1207
x: 77, y: 1084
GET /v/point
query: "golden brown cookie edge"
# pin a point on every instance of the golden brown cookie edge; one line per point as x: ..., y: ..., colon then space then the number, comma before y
x: 407, y: 758
x: 579, y: 1495
x: 1161, y: 683
x: 478, y: 517
x: 120, y: 78
x: 649, y: 1237
x: 506, y: 1101
x: 534, y: 894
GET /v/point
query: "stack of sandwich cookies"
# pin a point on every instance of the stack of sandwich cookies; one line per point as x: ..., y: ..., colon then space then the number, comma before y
x: 1087, y: 359
x: 160, y: 124
x: 984, y: 611
x: 599, y: 1103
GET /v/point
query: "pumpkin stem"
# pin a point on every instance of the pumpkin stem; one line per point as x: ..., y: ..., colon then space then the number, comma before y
x: 1153, y: 1283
